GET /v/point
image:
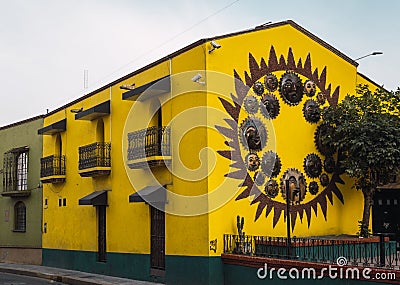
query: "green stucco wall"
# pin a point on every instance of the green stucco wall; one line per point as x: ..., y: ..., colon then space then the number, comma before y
x: 17, y: 135
x: 180, y: 270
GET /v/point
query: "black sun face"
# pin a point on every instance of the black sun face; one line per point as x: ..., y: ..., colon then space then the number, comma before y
x: 248, y: 138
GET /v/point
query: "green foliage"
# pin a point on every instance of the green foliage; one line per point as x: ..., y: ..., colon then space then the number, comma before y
x: 241, y: 244
x: 363, y: 230
x: 240, y: 225
x: 366, y: 130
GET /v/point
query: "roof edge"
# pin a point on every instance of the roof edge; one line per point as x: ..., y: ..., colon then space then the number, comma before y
x: 372, y: 81
x: 297, y: 27
x: 22, y: 122
x: 116, y: 81
x: 200, y: 42
x: 323, y: 43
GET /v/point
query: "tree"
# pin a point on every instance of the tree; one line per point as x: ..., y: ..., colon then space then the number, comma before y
x: 365, y: 129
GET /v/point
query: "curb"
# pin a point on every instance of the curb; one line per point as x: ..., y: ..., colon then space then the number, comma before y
x: 71, y: 277
x: 52, y: 277
x: 78, y: 281
x: 31, y: 273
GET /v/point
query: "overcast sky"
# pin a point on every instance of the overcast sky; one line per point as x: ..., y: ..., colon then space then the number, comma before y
x: 45, y: 45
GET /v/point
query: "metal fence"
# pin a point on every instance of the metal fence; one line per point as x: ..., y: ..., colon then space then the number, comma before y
x: 52, y: 165
x: 153, y: 141
x: 97, y: 154
x: 331, y: 251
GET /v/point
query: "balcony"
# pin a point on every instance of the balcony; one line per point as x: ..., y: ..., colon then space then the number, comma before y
x: 150, y: 147
x: 95, y: 159
x: 52, y: 169
x: 15, y: 173
x: 15, y: 190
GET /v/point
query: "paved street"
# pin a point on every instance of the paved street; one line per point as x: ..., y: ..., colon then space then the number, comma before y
x: 13, y: 279
x: 49, y: 275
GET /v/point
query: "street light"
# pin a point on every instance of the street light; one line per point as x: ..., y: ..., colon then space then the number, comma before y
x: 372, y: 53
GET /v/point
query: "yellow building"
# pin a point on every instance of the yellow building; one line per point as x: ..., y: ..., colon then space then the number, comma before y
x: 144, y: 176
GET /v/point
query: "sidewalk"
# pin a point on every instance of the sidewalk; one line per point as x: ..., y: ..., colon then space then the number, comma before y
x: 67, y: 276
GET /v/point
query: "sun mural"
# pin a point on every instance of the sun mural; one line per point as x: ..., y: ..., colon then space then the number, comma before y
x: 256, y: 104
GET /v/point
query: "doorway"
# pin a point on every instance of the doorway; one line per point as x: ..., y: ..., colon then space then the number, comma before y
x: 157, y: 242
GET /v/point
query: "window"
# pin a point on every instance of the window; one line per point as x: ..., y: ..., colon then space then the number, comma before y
x: 62, y: 202
x: 22, y: 171
x: 19, y: 217
x: 15, y: 164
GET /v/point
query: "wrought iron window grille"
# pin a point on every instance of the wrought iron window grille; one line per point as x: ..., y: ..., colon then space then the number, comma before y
x: 97, y: 154
x: 153, y: 141
x: 15, y: 170
x: 20, y: 217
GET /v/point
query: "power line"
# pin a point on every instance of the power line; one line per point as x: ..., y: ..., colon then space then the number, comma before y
x: 166, y: 42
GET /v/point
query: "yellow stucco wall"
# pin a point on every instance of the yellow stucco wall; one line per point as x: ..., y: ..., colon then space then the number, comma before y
x: 294, y: 137
x: 363, y: 80
x: 192, y: 110
x: 74, y: 227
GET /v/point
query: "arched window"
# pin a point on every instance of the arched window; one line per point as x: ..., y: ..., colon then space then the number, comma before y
x: 58, y: 145
x: 100, y: 131
x: 20, y: 217
x: 154, y: 133
x: 155, y: 108
x: 102, y: 151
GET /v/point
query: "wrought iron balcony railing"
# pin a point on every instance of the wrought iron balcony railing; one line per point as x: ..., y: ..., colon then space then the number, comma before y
x: 94, y: 155
x: 52, y: 168
x: 153, y: 141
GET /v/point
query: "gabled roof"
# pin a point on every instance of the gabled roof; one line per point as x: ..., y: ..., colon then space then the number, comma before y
x: 297, y: 27
x: 202, y: 41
